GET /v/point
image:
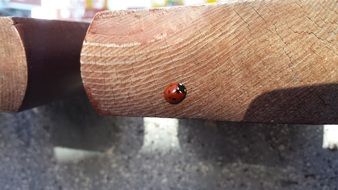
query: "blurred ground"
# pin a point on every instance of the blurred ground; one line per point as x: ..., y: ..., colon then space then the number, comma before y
x: 121, y: 153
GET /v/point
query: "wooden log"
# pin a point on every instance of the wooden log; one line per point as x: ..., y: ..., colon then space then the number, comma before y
x: 39, y: 61
x: 256, y: 61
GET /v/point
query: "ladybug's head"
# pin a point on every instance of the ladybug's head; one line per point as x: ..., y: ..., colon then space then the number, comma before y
x: 181, y: 88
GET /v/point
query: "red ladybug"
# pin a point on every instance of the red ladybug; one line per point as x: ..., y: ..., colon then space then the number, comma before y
x: 175, y: 93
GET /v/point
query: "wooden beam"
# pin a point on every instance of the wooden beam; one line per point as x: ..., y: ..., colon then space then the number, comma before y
x: 39, y: 61
x: 256, y: 61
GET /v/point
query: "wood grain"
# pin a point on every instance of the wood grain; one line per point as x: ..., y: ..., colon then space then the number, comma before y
x: 13, y: 67
x: 39, y: 61
x: 266, y: 55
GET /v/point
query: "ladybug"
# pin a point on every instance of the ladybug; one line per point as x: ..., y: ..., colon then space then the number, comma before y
x: 175, y: 93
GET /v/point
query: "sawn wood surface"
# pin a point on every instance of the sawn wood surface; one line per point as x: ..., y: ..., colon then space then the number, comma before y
x: 255, y: 61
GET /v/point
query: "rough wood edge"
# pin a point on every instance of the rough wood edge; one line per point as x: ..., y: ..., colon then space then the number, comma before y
x: 13, y: 67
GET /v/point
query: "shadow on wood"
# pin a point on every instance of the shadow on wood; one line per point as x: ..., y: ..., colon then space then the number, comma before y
x: 303, y: 105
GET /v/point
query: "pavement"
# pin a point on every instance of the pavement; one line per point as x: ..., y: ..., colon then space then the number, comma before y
x: 66, y: 145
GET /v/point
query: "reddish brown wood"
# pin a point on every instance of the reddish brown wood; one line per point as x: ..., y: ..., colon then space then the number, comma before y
x: 254, y: 61
x: 41, y: 58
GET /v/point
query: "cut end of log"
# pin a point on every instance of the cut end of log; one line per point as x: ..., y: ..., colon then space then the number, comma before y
x: 13, y: 67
